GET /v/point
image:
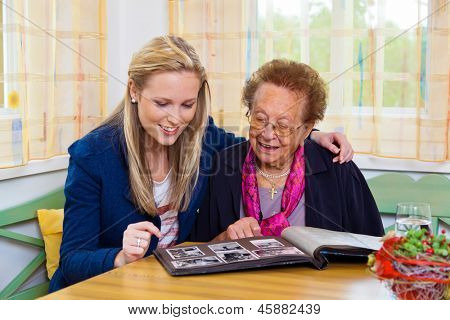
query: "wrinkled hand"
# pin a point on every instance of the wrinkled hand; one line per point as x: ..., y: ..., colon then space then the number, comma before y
x: 132, y: 248
x: 243, y: 228
x: 335, y: 142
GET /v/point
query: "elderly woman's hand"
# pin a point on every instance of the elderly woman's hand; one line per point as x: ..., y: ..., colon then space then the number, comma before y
x: 135, y: 243
x: 343, y: 150
x: 243, y: 228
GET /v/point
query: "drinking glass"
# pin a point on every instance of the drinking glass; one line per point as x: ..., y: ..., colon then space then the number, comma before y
x: 412, y: 215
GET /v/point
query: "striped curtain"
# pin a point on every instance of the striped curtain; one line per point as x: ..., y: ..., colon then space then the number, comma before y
x: 54, y: 84
x: 386, y: 63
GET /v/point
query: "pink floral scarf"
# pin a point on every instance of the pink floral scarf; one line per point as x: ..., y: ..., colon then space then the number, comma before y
x: 292, y: 193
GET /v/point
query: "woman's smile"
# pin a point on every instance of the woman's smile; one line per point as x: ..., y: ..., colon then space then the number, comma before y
x: 169, y: 131
x: 267, y: 148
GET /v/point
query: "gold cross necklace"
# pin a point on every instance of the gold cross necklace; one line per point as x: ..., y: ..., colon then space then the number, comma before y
x: 268, y: 177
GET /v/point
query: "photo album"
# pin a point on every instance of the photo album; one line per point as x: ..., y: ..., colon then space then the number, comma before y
x: 296, y: 245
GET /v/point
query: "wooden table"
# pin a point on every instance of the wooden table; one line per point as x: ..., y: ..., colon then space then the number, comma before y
x: 147, y: 279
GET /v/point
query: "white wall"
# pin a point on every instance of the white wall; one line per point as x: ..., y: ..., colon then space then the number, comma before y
x: 131, y: 23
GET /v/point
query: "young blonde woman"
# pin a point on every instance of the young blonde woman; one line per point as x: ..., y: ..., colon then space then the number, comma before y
x: 137, y: 181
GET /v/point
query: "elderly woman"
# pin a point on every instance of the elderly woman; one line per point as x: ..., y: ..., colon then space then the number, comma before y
x: 279, y: 178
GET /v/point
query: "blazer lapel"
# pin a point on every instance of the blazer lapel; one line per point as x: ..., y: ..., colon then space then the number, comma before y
x: 314, y: 164
x: 234, y: 163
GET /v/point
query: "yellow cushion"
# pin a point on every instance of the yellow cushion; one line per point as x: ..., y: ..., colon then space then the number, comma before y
x: 51, y: 224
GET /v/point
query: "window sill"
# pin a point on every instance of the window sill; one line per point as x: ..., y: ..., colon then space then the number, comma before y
x: 364, y: 162
x: 368, y: 162
x: 36, y: 167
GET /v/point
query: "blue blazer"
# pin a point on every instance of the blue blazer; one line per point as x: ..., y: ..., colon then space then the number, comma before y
x: 98, y: 207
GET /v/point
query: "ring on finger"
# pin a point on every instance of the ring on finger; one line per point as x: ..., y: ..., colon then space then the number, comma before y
x: 138, y: 242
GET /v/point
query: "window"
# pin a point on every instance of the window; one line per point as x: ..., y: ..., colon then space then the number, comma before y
x: 54, y: 55
x: 387, y: 72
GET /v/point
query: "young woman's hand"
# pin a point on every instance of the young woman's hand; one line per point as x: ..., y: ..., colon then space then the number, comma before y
x: 243, y: 228
x: 335, y: 142
x: 135, y: 243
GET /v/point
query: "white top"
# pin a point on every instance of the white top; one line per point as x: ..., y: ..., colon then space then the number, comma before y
x: 169, y: 217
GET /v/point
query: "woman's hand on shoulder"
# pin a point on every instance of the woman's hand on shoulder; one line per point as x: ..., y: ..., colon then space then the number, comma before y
x: 243, y: 228
x: 335, y: 142
x: 136, y: 241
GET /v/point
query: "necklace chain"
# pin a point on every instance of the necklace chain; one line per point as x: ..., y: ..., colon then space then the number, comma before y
x: 268, y: 177
x: 272, y: 176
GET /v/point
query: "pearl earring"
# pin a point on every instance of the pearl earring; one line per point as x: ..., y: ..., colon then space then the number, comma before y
x: 133, y: 100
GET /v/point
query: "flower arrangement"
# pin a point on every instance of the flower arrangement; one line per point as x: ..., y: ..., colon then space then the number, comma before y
x: 416, y: 266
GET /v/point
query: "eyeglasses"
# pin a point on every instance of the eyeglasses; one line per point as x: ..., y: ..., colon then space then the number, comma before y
x: 281, y: 130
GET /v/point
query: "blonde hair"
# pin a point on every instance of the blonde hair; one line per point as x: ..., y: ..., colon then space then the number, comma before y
x: 163, y: 54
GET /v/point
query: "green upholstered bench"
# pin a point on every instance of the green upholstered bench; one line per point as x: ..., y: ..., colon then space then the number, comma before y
x: 22, y: 213
x: 391, y: 188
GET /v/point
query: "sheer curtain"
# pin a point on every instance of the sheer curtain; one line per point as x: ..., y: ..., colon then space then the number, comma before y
x: 54, y: 84
x: 387, y: 73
